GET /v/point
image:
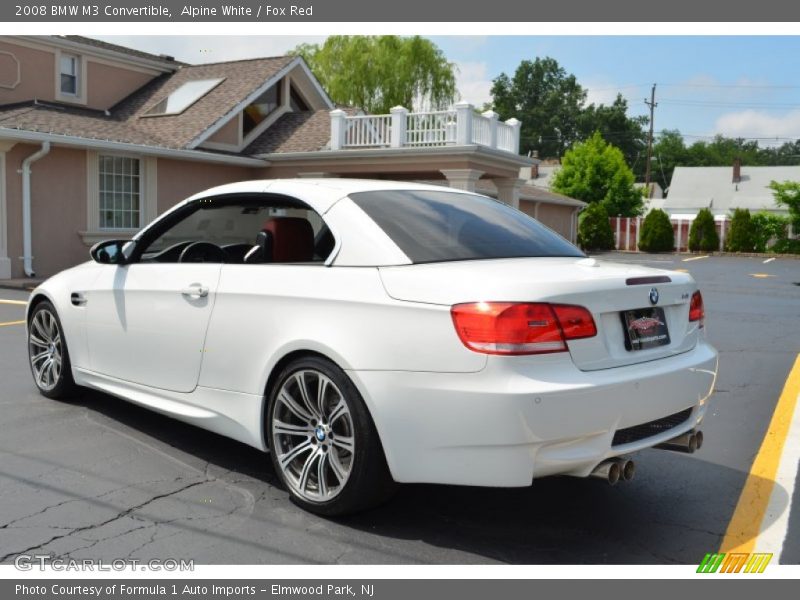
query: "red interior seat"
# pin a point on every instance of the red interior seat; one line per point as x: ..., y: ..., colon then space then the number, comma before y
x: 292, y: 239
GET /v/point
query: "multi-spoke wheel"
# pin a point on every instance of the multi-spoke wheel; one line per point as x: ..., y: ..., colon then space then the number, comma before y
x: 47, y: 352
x: 323, y: 443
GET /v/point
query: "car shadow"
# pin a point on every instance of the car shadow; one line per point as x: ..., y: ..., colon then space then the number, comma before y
x: 675, y: 510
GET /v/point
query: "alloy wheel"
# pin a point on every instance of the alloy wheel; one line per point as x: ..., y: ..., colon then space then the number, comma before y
x: 45, y: 349
x: 313, y: 435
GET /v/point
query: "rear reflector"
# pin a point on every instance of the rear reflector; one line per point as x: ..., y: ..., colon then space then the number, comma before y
x: 696, y: 310
x: 514, y: 328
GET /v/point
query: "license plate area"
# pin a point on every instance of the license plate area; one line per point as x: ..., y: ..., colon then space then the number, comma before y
x: 644, y: 328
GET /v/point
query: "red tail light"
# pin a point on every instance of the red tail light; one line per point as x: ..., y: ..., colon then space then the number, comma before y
x: 696, y: 310
x: 520, y: 328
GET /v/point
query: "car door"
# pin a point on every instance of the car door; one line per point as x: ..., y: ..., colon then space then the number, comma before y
x: 146, y: 323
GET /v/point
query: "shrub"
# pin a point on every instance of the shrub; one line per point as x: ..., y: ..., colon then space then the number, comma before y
x: 656, y: 234
x: 703, y: 234
x: 786, y: 246
x: 594, y: 231
x: 767, y: 228
x: 740, y: 237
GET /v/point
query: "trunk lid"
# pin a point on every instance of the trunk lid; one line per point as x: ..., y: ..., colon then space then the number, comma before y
x: 606, y: 289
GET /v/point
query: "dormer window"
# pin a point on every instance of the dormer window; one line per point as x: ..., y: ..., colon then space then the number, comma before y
x: 261, y: 108
x: 70, y: 66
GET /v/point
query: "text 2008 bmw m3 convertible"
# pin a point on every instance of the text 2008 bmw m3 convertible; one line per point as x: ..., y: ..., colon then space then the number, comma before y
x: 372, y: 332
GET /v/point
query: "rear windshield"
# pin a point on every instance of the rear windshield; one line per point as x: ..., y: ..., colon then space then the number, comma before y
x: 433, y: 226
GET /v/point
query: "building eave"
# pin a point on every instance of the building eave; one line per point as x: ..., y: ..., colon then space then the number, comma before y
x: 515, y: 160
x: 22, y: 135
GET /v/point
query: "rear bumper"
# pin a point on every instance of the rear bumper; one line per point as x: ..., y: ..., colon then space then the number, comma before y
x: 522, y: 417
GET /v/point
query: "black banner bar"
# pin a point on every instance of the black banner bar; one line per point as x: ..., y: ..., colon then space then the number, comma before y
x: 712, y: 586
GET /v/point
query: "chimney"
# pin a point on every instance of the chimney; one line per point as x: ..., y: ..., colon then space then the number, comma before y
x: 737, y: 170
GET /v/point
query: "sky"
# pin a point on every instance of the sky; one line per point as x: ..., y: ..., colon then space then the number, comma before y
x: 705, y: 85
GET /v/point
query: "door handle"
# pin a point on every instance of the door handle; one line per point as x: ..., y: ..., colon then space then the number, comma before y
x: 77, y: 299
x: 199, y: 291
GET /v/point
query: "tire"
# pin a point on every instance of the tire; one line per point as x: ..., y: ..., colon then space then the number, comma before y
x: 341, y: 450
x: 48, y: 355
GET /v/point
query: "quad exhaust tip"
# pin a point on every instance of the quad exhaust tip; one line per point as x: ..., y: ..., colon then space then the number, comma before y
x: 689, y: 442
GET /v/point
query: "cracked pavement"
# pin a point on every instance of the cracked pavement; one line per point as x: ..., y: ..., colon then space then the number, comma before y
x: 97, y: 477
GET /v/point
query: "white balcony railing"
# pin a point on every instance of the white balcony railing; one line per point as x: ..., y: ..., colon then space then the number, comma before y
x: 460, y: 126
x: 368, y: 131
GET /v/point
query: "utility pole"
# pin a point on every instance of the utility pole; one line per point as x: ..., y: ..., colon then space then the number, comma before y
x: 652, y: 104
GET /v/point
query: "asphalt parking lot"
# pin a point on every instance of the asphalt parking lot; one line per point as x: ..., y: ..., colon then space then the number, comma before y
x: 99, y: 478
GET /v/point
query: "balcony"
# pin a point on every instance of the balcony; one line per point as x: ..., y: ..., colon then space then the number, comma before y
x: 460, y: 126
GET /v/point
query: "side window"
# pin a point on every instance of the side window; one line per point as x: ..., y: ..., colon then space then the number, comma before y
x: 242, y: 232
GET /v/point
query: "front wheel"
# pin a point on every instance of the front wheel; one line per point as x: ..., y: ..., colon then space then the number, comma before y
x: 47, y: 353
x: 322, y: 440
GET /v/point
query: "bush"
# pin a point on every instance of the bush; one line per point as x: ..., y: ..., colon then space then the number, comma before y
x: 740, y: 237
x: 786, y: 246
x: 703, y: 234
x: 767, y: 228
x: 594, y: 231
x: 656, y: 234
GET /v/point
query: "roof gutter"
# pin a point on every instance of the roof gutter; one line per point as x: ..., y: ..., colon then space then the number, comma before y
x: 159, y: 151
x: 27, y: 252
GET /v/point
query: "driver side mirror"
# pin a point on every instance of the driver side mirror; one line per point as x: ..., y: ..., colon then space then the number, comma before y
x: 110, y: 252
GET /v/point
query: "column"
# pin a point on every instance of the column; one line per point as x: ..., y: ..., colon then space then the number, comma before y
x: 399, y: 119
x: 508, y: 189
x: 464, y: 123
x: 462, y: 179
x: 5, y: 262
x: 338, y: 128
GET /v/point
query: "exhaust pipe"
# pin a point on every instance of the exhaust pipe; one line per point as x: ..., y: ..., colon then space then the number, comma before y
x: 689, y: 442
x: 627, y: 468
x: 609, y: 470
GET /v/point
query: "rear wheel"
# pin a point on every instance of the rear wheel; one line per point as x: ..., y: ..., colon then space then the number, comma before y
x: 323, y: 443
x: 47, y: 353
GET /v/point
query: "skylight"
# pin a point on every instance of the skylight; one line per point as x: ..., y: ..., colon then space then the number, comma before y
x: 183, y: 97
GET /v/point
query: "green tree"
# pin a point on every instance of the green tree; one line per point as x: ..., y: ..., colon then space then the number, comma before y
x: 595, y: 171
x: 703, y: 234
x: 656, y: 234
x: 546, y: 99
x: 768, y: 227
x: 740, y: 236
x: 613, y: 123
x: 378, y: 72
x: 788, y: 194
x: 669, y: 151
x: 594, y: 231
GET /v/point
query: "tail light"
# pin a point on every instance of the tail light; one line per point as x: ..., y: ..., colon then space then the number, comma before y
x: 514, y: 328
x: 696, y: 310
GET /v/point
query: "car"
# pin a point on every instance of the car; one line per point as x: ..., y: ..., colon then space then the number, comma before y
x: 373, y: 333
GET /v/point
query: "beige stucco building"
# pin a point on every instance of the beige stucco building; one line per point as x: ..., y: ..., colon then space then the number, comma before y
x: 96, y: 140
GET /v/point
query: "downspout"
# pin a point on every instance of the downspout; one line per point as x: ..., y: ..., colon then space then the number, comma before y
x: 27, y: 253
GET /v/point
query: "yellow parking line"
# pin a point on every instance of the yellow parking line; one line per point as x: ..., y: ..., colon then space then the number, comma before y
x: 694, y: 258
x: 8, y: 323
x: 745, y: 525
x: 681, y: 270
x: 761, y: 275
x: 17, y: 302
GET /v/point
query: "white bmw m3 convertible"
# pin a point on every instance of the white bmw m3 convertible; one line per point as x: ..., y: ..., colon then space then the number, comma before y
x: 373, y: 332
